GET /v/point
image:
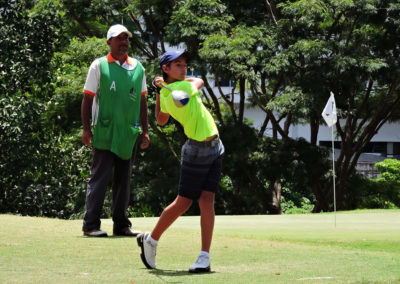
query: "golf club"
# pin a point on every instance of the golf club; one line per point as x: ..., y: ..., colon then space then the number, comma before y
x: 181, y: 98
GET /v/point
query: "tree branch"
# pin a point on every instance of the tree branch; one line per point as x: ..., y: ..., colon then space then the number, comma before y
x: 271, y: 11
x: 164, y: 139
x: 242, y: 99
x: 217, y: 109
x: 230, y: 103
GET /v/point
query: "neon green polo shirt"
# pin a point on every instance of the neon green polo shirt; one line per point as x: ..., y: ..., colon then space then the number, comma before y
x: 196, y: 120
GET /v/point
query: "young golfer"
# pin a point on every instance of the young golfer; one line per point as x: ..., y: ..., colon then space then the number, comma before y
x: 200, y: 163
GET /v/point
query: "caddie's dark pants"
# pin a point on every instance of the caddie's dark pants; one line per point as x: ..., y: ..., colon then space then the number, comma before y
x: 103, y: 163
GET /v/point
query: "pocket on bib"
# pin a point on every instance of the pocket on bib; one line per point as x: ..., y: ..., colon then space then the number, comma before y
x: 104, y: 122
x: 103, y: 132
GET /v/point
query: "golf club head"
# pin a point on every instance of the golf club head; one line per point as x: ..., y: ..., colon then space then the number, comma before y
x: 181, y: 98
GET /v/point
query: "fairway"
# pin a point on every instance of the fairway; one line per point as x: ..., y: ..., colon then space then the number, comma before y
x: 363, y: 248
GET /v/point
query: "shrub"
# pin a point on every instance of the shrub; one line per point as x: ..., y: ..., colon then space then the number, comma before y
x: 372, y: 193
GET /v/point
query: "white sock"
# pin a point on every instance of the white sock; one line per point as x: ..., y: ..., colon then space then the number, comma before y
x: 204, y: 253
x: 152, y: 241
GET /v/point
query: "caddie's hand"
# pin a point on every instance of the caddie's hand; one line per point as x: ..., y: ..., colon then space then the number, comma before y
x: 145, y: 141
x: 87, y: 136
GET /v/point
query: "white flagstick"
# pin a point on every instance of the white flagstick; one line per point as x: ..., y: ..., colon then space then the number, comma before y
x: 334, y: 183
x: 329, y: 115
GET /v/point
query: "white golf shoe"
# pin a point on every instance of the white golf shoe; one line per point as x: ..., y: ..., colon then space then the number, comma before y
x: 202, y: 264
x: 148, y: 254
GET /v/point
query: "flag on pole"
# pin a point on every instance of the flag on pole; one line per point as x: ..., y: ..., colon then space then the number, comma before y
x: 329, y: 112
x: 329, y: 115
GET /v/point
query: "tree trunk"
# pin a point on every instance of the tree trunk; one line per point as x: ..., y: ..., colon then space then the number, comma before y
x: 314, y: 127
x: 276, y: 191
x: 322, y: 204
x: 242, y: 89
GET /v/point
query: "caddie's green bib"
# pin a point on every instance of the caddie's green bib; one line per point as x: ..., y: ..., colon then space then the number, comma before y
x: 196, y: 120
x: 119, y: 108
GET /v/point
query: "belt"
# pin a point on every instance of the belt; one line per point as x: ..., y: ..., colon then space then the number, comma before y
x: 211, y: 143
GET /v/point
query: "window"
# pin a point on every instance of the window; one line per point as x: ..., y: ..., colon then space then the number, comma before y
x: 376, y: 147
x: 193, y: 73
x: 328, y: 144
x: 396, y: 148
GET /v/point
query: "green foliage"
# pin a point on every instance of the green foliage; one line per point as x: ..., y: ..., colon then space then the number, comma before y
x: 252, y: 163
x: 236, y: 54
x: 85, y: 18
x: 238, y: 195
x: 338, y: 46
x: 390, y: 170
x: 192, y: 22
x: 296, y: 163
x: 383, y: 192
x: 372, y: 193
x: 198, y: 18
x: 314, y: 47
x: 70, y: 69
x: 32, y: 165
x: 19, y: 138
x: 289, y: 207
x: 43, y: 173
x: 26, y: 52
x: 155, y: 177
x: 44, y: 168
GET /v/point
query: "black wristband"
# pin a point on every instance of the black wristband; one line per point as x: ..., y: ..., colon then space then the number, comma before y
x: 155, y: 86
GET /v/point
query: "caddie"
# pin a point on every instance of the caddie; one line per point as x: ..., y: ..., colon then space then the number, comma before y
x: 115, y: 98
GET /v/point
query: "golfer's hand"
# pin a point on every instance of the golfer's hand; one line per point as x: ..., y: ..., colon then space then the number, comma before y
x: 145, y: 141
x: 157, y: 81
x: 87, y: 136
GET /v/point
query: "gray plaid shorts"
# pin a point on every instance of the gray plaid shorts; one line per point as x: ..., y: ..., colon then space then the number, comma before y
x: 201, y: 166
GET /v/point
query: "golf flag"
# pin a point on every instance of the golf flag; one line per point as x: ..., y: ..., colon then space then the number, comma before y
x: 329, y: 115
x: 329, y: 112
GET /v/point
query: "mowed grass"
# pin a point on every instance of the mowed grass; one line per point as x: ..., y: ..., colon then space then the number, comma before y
x: 363, y: 248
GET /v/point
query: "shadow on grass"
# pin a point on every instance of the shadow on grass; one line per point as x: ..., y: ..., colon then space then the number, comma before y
x: 166, y: 272
x: 161, y: 273
x: 109, y: 237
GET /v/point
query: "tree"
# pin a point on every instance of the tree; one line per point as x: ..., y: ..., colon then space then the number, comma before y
x: 350, y: 48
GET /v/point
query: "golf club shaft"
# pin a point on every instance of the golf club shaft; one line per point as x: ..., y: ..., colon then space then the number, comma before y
x: 164, y: 86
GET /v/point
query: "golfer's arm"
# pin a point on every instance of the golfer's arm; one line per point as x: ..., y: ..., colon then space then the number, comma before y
x: 197, y: 82
x: 162, y: 118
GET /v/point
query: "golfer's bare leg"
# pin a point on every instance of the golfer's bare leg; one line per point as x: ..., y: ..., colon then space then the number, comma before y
x: 170, y: 214
x: 206, y: 204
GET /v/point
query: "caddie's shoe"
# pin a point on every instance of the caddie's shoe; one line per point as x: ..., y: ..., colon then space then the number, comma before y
x: 95, y: 233
x: 127, y: 232
x: 148, y: 254
x: 202, y: 264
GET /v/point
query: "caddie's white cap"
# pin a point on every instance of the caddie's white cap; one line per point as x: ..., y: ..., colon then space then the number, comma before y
x: 116, y: 30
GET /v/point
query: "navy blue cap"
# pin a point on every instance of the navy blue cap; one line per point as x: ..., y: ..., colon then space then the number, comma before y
x: 170, y: 56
